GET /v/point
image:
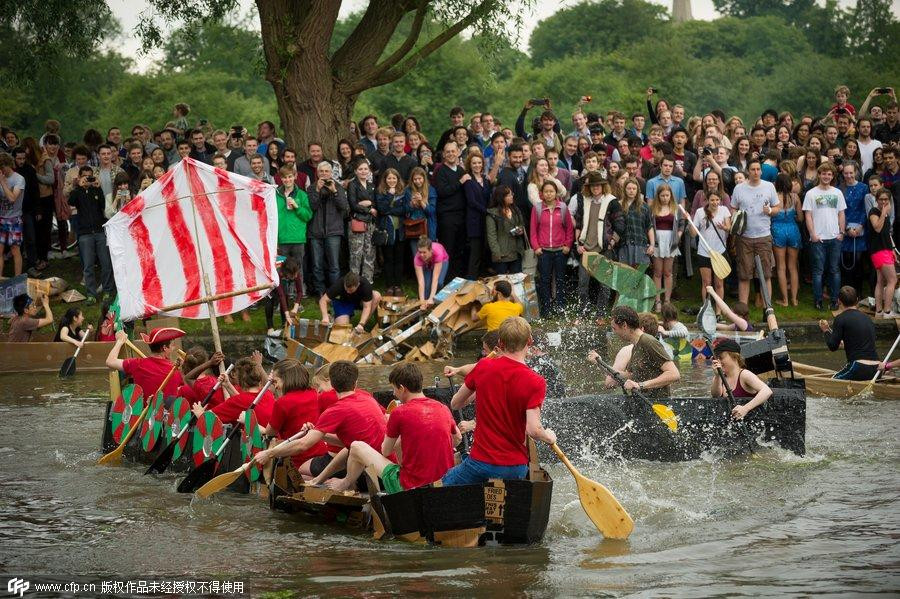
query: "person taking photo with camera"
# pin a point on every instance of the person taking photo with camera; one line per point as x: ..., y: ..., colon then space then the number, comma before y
x: 87, y: 198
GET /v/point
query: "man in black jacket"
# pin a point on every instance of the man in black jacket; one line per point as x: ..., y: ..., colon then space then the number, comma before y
x: 87, y: 198
x: 399, y: 160
x: 200, y: 149
x: 325, y: 232
x: 451, y: 209
x: 855, y: 332
x: 513, y: 176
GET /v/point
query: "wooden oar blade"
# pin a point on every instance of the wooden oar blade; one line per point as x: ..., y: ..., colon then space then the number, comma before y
x: 68, y: 368
x: 219, y: 483
x: 720, y: 265
x: 604, y: 509
x: 199, y: 476
x: 115, y: 456
x: 163, y: 460
x: 668, y: 416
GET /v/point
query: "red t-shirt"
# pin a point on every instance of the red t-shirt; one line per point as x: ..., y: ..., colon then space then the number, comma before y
x: 197, y: 392
x: 290, y: 412
x: 505, y: 389
x: 149, y: 373
x: 425, y: 428
x: 326, y: 400
x: 357, y: 417
x: 229, y: 410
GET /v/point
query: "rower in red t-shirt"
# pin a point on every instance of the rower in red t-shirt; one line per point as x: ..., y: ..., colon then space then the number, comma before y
x: 508, y: 409
x: 355, y: 417
x: 297, y: 405
x: 149, y: 372
x: 250, y: 377
x: 199, y: 378
x: 423, y: 425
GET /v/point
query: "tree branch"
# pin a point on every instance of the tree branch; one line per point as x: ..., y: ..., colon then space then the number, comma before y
x: 424, y: 52
x: 364, y: 46
x: 407, y: 44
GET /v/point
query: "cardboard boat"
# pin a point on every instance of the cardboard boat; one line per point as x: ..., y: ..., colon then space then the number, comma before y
x: 819, y: 382
x: 497, y: 512
x: 48, y: 356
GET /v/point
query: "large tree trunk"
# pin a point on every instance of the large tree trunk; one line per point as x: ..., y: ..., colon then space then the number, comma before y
x: 296, y: 36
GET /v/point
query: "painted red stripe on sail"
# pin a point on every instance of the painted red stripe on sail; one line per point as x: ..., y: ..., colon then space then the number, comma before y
x: 228, y: 204
x: 151, y: 288
x: 221, y: 274
x: 262, y: 218
x: 184, y: 244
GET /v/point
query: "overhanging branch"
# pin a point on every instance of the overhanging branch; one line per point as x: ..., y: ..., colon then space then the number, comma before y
x: 425, y: 51
x: 408, y: 43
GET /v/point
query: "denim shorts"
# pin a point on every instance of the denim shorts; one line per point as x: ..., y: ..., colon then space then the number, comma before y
x: 472, y: 472
x: 785, y: 235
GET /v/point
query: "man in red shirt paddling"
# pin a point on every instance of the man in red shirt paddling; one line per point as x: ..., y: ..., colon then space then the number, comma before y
x: 508, y: 409
x: 424, y: 426
x: 355, y: 417
x: 149, y: 373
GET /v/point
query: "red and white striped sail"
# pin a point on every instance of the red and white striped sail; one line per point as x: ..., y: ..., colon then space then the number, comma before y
x: 158, y: 261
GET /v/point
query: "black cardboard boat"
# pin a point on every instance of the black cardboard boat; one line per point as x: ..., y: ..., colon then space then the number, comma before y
x: 498, y: 512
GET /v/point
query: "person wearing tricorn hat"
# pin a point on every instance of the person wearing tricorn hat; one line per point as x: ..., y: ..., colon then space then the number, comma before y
x: 149, y: 372
x: 599, y: 226
x: 742, y: 382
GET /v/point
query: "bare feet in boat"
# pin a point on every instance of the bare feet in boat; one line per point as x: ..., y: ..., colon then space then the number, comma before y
x: 338, y: 484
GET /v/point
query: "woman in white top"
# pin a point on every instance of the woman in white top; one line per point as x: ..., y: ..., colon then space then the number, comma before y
x: 540, y: 174
x: 713, y: 221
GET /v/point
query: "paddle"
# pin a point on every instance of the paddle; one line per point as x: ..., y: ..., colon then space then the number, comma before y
x: 164, y: 459
x: 664, y: 413
x: 115, y: 455
x: 223, y: 480
x: 68, y: 366
x: 600, y: 505
x: 868, y: 388
x: 720, y: 264
x: 203, y: 473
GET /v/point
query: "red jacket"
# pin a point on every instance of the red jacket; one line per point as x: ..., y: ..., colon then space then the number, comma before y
x: 554, y: 229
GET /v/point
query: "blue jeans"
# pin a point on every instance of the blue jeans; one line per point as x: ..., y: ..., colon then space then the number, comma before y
x: 326, y: 254
x: 93, y: 250
x: 428, y: 273
x: 472, y: 472
x: 551, y: 265
x: 826, y: 258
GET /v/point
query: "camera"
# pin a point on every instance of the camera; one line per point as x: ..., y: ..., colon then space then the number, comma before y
x: 330, y: 183
x: 91, y: 179
x: 515, y: 231
x: 707, y: 150
x: 883, y: 90
x: 237, y: 132
x: 539, y: 101
x: 653, y: 90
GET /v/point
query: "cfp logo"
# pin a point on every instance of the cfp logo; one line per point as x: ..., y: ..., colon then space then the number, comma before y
x: 17, y: 586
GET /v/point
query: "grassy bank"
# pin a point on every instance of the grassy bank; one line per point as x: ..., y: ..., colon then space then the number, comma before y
x: 687, y: 289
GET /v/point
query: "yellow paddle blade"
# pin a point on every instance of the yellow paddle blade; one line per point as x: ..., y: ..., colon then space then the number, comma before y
x: 720, y: 265
x: 600, y: 505
x: 115, y: 456
x: 220, y: 482
x: 666, y: 414
x: 390, y: 407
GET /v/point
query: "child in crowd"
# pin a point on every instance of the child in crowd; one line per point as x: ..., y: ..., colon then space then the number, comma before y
x: 666, y: 223
x: 288, y: 293
x: 70, y: 328
x: 180, y: 112
x: 640, y: 237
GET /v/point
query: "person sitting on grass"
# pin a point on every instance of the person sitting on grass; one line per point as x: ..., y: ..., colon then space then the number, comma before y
x: 355, y: 417
x: 26, y: 322
x: 424, y: 426
x: 69, y: 329
x: 348, y: 295
x: 250, y: 378
x: 855, y: 332
x: 503, y: 304
x: 742, y: 382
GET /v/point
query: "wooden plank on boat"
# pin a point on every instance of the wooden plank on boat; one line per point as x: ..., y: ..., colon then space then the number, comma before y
x: 819, y: 382
x: 46, y: 356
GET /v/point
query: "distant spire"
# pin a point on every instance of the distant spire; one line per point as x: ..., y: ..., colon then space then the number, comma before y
x: 681, y: 11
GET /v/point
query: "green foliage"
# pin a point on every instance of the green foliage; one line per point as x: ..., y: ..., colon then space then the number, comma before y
x: 594, y: 25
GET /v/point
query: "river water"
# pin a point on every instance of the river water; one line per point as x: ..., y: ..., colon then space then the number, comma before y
x: 771, y: 524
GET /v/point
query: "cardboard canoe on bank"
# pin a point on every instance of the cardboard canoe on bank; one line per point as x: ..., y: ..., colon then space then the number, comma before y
x: 48, y: 356
x: 819, y: 382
